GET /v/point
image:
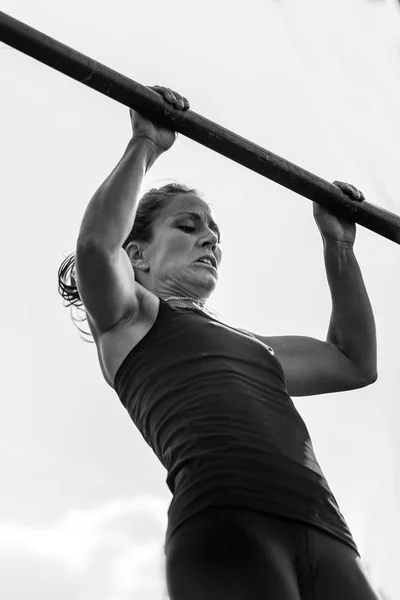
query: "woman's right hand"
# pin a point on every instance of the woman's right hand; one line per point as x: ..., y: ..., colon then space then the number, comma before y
x: 159, y: 137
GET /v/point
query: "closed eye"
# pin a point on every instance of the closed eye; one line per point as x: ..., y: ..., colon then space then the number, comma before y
x: 191, y: 228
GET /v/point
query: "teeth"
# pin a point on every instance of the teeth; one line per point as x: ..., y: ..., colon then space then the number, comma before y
x: 206, y: 260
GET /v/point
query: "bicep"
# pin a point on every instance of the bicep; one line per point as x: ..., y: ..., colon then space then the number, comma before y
x: 106, y: 285
x: 312, y: 366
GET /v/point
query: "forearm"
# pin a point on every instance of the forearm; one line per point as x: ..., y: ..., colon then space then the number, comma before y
x: 110, y: 214
x: 352, y: 325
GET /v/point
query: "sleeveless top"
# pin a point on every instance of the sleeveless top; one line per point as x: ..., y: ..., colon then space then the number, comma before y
x: 211, y: 401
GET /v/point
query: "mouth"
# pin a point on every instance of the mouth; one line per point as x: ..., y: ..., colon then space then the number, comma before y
x: 209, y: 258
x: 202, y: 264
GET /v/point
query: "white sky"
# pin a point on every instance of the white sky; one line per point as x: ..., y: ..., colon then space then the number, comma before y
x: 83, y: 506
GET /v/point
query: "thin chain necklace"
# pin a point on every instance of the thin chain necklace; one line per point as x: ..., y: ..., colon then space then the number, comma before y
x: 195, y: 303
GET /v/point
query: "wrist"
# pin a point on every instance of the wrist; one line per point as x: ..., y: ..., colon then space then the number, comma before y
x: 146, y: 148
x: 338, y: 244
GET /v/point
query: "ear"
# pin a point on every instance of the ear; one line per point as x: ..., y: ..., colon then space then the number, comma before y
x: 134, y: 251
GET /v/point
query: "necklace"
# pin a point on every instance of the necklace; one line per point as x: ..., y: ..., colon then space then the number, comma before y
x: 183, y: 298
x: 195, y: 303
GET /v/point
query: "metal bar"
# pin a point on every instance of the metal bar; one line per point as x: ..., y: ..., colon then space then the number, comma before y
x: 147, y: 102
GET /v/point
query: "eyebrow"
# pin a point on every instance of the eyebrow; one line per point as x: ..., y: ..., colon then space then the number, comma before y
x: 197, y: 217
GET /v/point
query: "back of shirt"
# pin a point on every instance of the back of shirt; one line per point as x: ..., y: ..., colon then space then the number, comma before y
x: 211, y: 401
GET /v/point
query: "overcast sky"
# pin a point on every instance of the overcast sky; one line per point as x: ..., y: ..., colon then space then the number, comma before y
x: 83, y: 502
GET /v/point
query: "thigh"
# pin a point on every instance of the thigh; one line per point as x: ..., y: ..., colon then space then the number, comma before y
x: 339, y: 573
x: 215, y: 559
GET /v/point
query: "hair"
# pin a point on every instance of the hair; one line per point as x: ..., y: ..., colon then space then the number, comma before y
x: 149, y: 207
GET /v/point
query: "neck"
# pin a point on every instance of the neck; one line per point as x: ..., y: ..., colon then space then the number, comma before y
x: 199, y: 304
x: 187, y: 298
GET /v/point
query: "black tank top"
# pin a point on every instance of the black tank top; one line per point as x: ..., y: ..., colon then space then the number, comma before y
x: 211, y: 401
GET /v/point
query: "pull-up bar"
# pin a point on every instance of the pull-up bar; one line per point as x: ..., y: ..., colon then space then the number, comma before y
x: 150, y: 104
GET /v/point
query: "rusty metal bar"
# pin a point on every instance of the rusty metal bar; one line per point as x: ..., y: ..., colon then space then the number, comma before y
x: 139, y: 97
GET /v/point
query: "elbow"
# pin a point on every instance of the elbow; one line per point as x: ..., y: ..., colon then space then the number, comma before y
x: 369, y: 378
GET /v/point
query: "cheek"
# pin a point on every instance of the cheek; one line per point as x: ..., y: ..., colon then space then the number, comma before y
x: 173, y: 252
x: 180, y: 244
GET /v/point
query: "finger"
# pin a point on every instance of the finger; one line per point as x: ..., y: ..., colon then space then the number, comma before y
x: 356, y: 193
x: 172, y: 97
x: 165, y: 92
x: 350, y: 190
x: 181, y: 102
x: 156, y: 88
x: 169, y: 95
x: 175, y: 98
x: 346, y: 187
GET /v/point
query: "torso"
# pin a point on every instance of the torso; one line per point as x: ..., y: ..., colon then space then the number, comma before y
x: 114, y: 346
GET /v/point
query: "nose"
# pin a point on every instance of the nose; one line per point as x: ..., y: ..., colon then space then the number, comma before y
x: 211, y: 239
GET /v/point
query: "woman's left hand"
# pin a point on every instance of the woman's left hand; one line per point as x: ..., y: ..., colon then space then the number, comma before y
x: 333, y: 227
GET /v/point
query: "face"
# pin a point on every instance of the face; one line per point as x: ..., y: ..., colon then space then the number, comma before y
x: 179, y: 240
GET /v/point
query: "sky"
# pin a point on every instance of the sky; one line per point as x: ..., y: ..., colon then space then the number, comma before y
x: 83, y: 506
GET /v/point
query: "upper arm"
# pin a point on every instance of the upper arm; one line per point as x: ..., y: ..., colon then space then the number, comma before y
x: 106, y: 284
x: 313, y: 367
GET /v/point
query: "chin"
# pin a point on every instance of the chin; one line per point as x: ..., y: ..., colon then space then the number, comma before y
x: 210, y: 285
x: 205, y: 279
x: 204, y: 284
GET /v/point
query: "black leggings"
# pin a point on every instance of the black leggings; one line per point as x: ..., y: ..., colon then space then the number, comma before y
x: 234, y: 554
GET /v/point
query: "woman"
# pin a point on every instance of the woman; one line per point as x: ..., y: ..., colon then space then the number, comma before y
x: 252, y: 516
